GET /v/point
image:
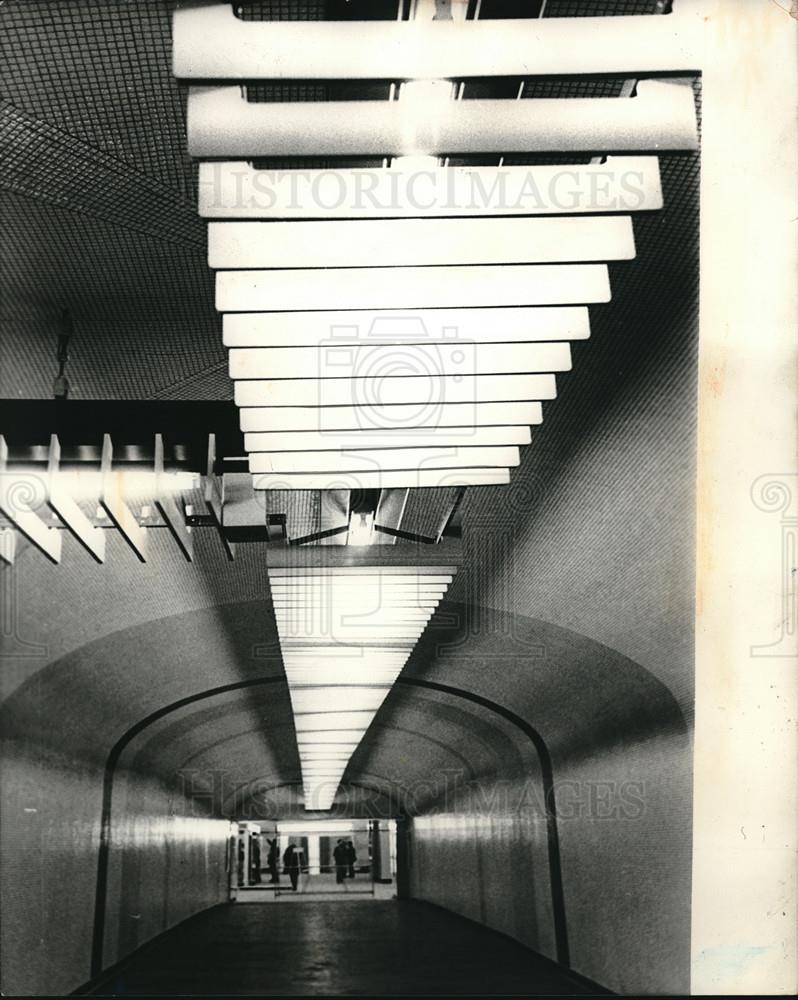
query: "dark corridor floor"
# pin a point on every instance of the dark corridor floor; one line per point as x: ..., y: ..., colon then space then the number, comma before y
x: 321, y: 948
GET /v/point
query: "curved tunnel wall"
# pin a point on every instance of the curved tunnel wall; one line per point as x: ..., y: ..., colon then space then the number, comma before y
x: 621, y: 758
x: 50, y: 841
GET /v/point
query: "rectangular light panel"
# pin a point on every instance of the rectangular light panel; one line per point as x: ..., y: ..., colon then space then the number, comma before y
x: 211, y: 43
x: 333, y: 360
x: 410, y: 479
x: 426, y: 391
x: 400, y: 416
x: 422, y: 242
x: 530, y: 324
x: 412, y: 287
x: 223, y: 124
x: 305, y: 441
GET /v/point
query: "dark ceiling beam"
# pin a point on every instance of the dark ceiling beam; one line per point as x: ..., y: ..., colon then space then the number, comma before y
x: 131, y: 423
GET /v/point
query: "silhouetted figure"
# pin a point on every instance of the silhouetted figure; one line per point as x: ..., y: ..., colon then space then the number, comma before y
x: 341, y: 858
x: 254, y: 860
x: 240, y: 862
x: 351, y: 858
x: 291, y: 865
x: 273, y: 862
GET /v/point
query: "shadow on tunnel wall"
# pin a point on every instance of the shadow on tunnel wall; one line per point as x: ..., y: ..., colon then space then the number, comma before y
x: 620, y: 752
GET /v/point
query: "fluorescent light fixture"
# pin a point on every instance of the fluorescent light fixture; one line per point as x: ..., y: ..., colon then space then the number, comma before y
x: 525, y: 324
x: 441, y: 478
x: 319, y: 646
x: 344, y: 669
x: 413, y: 287
x: 334, y: 678
x: 374, y: 461
x: 344, y: 642
x: 320, y: 721
x: 322, y: 826
x: 397, y: 575
x: 374, y: 610
x: 380, y: 656
x: 211, y: 43
x: 332, y: 754
x: 428, y: 391
x: 317, y: 441
x: 342, y: 737
x: 403, y: 577
x: 376, y: 416
x: 223, y: 124
x: 361, y: 527
x: 365, y: 631
x: 423, y: 242
x: 323, y: 699
x: 308, y: 616
x: 364, y: 634
x: 236, y: 190
x: 336, y: 361
x: 368, y: 597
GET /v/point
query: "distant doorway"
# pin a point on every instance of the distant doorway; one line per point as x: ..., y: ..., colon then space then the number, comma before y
x: 332, y: 859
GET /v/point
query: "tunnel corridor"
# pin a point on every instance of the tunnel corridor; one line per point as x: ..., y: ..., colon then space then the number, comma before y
x: 398, y: 521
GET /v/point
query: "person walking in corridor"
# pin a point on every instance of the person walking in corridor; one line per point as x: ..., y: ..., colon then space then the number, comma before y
x: 291, y: 865
x: 273, y: 862
x: 341, y: 858
x: 351, y: 858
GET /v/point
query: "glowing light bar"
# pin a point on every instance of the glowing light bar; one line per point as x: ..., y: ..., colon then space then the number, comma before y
x: 357, y: 633
x: 295, y: 606
x: 413, y: 287
x: 403, y: 416
x: 429, y: 391
x: 333, y: 675
x: 331, y: 699
x: 409, y: 478
x: 366, y: 595
x: 406, y: 242
x: 211, y: 43
x: 400, y: 573
x: 383, y: 603
x: 364, y: 360
x: 317, y: 441
x: 236, y: 190
x: 223, y: 124
x: 319, y: 722
x: 341, y: 737
x: 374, y: 461
x: 377, y: 327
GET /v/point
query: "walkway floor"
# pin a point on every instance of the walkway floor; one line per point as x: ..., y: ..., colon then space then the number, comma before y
x: 323, y: 886
x: 336, y: 948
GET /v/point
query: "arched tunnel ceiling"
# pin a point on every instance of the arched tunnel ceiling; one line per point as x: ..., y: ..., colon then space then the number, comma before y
x: 579, y: 695
x: 587, y: 551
